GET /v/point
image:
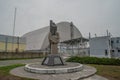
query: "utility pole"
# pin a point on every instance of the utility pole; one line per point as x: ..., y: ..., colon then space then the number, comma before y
x: 14, y: 23
x: 72, y: 35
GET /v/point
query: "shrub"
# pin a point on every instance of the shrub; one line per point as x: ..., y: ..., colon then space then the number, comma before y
x: 94, y: 60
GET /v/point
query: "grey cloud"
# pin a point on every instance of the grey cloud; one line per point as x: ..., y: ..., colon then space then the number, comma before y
x: 93, y: 16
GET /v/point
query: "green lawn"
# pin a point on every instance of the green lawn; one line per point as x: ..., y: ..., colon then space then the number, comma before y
x: 106, y: 67
x: 108, y: 71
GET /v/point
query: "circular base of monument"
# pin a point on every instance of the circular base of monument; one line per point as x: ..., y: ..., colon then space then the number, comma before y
x: 42, y: 69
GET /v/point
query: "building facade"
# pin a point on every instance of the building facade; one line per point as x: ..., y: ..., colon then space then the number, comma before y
x: 99, y: 46
x: 105, y: 46
x: 115, y: 47
x: 12, y: 44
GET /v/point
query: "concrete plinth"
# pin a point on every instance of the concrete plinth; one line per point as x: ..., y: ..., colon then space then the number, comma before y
x: 43, y: 69
x: 53, y: 60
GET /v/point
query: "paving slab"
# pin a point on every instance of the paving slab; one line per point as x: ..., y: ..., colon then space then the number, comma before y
x: 24, y: 61
x: 95, y: 77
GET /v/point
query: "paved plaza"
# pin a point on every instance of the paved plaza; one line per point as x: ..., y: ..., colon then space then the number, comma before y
x: 24, y: 61
x: 21, y: 72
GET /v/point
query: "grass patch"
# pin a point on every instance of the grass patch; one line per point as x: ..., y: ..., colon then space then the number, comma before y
x: 109, y: 71
x: 4, y: 73
x: 106, y: 67
x: 5, y: 70
x: 94, y: 60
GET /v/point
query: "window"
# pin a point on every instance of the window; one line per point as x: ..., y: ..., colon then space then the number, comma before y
x: 112, y: 41
x: 109, y: 42
x: 118, y: 50
x: 113, y: 51
x: 117, y: 41
x: 106, y: 52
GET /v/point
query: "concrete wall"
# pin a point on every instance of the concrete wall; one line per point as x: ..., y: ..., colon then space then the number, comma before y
x: 8, y: 48
x: 11, y: 44
x: 2, y: 46
x: 10, y: 55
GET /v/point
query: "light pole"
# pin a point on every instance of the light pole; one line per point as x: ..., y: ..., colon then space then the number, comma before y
x: 14, y: 29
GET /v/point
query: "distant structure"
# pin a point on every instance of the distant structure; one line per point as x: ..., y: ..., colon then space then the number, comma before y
x: 8, y: 45
x: 105, y: 46
x: 37, y: 40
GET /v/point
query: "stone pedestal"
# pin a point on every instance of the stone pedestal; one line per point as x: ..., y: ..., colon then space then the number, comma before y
x: 53, y: 60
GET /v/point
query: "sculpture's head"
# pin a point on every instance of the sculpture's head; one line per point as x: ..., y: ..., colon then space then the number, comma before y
x: 53, y: 27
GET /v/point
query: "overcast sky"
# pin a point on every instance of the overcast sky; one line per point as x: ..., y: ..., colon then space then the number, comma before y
x: 94, y: 16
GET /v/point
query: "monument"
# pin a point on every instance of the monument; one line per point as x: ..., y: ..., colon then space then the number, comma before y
x: 53, y: 58
x: 53, y: 63
x: 53, y: 38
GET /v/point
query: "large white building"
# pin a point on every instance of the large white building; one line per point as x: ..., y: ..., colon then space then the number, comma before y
x: 105, y: 46
x: 38, y: 39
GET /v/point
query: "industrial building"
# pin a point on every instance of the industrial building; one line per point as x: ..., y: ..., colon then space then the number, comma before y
x: 12, y: 44
x: 105, y: 46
